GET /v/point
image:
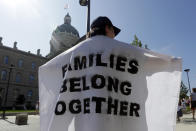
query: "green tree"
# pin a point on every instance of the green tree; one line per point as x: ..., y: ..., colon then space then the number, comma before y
x: 137, y: 42
x: 183, y: 90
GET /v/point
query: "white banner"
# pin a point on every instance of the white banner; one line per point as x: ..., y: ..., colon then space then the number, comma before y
x: 102, y: 84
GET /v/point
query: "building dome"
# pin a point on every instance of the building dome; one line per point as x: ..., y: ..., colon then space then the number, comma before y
x: 63, y: 37
x: 67, y: 27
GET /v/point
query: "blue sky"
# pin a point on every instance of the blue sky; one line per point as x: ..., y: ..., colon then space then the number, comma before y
x: 166, y: 26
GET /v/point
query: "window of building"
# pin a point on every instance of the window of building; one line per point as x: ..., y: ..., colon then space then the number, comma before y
x: 29, y: 94
x: 33, y: 65
x: 18, y: 77
x: 31, y: 77
x: 5, y: 59
x: 20, y: 63
x: 3, y: 75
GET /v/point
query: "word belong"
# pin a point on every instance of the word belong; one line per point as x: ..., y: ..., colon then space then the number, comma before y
x: 78, y: 84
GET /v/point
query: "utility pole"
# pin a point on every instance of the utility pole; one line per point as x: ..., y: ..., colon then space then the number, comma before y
x: 187, y: 70
x: 6, y: 92
x: 86, y: 3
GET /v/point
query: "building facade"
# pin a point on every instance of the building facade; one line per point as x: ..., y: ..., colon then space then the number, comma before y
x: 23, y: 76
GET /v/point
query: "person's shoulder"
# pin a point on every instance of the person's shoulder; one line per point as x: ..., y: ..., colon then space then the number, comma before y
x: 107, y: 41
x: 99, y: 41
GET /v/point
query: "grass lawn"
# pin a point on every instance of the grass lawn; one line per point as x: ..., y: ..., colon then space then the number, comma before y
x: 15, y: 111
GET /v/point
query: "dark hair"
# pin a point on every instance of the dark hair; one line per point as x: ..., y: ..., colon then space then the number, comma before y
x: 194, y: 89
x: 96, y: 31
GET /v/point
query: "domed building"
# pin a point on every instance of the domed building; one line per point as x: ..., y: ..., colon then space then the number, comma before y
x: 63, y: 37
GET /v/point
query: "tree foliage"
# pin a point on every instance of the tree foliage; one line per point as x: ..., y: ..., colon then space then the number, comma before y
x: 137, y: 42
x: 183, y: 90
x: 20, y: 99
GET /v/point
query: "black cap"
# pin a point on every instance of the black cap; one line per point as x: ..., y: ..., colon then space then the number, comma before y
x: 102, y: 21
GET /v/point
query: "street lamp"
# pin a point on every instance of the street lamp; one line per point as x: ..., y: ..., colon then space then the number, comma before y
x: 187, y: 70
x: 6, y: 92
x: 86, y: 3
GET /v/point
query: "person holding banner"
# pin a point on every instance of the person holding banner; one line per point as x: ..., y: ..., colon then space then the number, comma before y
x: 102, y: 84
